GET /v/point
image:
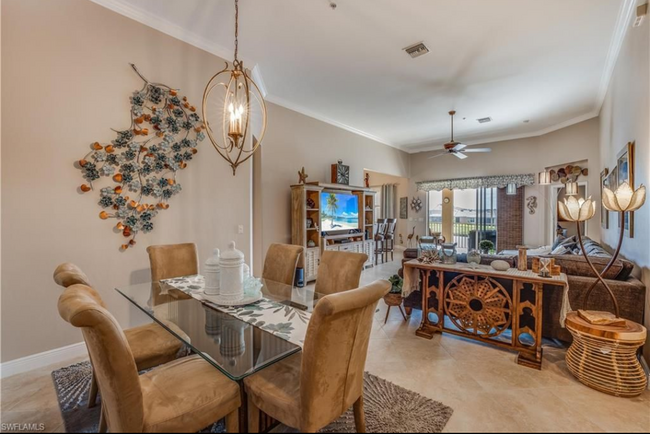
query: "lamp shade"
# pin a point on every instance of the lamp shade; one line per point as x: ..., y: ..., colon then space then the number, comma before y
x: 574, y: 210
x: 624, y: 199
x: 571, y: 188
x: 511, y: 189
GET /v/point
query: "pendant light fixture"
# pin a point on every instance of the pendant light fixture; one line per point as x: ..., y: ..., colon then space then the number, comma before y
x: 544, y: 178
x: 511, y: 189
x: 571, y: 188
x: 234, y: 110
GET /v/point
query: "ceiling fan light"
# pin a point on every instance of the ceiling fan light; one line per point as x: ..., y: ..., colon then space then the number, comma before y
x: 511, y: 189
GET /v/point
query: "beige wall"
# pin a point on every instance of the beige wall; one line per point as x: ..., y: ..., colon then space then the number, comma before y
x: 294, y: 140
x: 376, y: 181
x: 67, y: 83
x: 531, y: 155
x: 624, y: 118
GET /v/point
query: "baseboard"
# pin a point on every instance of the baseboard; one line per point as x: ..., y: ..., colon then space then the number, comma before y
x: 41, y: 360
x: 646, y: 368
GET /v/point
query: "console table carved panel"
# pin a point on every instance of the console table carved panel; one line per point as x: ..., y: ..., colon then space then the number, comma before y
x: 482, y: 303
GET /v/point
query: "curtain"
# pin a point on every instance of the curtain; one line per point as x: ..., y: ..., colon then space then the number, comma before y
x: 477, y: 182
x: 389, y: 201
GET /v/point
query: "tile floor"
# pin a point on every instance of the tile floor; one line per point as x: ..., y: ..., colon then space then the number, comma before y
x: 486, y: 388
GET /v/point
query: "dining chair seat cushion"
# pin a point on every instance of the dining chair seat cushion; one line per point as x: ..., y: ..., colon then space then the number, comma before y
x: 153, y: 346
x: 186, y: 396
x: 276, y: 390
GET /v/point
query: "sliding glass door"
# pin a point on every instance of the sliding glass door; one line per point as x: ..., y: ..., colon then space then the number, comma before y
x: 474, y: 216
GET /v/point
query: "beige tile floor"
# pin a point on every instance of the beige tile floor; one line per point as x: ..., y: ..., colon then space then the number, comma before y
x: 486, y: 388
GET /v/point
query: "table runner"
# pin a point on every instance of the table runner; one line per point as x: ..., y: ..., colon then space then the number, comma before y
x: 283, y: 321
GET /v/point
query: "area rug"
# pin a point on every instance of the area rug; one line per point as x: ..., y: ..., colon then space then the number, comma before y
x: 389, y: 408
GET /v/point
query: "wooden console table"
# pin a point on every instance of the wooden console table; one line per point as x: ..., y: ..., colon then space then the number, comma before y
x: 483, y: 303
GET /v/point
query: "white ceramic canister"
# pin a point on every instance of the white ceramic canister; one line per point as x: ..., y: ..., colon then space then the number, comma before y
x: 212, y: 274
x: 232, y: 274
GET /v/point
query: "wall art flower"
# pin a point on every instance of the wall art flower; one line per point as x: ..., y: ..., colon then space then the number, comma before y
x: 143, y: 160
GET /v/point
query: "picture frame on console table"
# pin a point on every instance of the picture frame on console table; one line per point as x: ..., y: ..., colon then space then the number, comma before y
x: 625, y: 173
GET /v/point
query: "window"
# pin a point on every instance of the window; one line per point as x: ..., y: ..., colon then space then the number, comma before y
x: 474, y: 216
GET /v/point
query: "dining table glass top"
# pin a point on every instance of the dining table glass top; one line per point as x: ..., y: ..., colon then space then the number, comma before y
x: 238, y: 341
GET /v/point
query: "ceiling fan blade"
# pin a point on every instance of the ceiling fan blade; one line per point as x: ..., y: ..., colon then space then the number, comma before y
x: 459, y: 147
x: 438, y: 155
x: 478, y: 150
x: 459, y: 155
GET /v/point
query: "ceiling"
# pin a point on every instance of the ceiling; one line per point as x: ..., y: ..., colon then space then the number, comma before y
x: 546, y: 62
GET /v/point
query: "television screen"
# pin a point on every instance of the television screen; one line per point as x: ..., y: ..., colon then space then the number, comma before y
x: 339, y: 211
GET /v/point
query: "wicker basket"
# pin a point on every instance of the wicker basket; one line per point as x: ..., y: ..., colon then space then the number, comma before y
x: 605, y: 357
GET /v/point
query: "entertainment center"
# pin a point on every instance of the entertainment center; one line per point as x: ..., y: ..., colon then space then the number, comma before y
x: 331, y: 217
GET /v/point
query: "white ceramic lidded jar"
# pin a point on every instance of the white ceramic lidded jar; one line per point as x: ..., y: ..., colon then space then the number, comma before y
x: 232, y: 274
x: 212, y: 274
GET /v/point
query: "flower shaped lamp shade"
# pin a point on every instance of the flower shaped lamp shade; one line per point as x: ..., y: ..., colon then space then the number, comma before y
x: 577, y: 210
x: 624, y: 199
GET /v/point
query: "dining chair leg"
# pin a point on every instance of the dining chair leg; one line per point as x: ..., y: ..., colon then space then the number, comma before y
x: 103, y: 427
x: 92, y: 395
x: 359, y: 415
x: 253, y: 417
x: 232, y: 422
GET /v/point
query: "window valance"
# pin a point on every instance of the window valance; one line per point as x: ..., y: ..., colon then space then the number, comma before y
x: 477, y: 182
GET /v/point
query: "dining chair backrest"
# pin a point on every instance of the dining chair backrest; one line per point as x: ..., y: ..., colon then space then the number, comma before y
x: 339, y: 271
x: 334, y: 355
x: 173, y: 260
x: 281, y: 262
x: 391, y: 224
x: 68, y: 274
x: 113, y: 362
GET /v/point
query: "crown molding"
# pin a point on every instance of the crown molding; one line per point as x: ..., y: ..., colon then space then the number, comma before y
x: 150, y: 19
x: 307, y: 112
x: 622, y: 25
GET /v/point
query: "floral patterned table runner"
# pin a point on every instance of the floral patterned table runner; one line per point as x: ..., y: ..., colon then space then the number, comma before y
x: 285, y: 322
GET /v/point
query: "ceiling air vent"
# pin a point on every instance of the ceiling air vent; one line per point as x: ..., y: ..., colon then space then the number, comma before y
x: 416, y: 50
x: 484, y: 120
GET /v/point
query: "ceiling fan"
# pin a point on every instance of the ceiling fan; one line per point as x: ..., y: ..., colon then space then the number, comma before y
x: 458, y: 149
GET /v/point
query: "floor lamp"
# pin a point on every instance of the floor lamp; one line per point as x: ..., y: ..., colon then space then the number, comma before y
x: 603, y: 354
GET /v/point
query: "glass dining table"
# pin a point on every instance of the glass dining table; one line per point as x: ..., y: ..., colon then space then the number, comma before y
x: 237, y: 341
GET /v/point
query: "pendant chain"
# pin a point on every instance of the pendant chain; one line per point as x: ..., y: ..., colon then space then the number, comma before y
x: 236, y: 30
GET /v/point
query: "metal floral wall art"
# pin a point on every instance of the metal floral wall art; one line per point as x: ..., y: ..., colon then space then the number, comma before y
x: 143, y: 160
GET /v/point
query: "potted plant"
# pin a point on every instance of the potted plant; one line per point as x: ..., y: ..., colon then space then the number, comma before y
x: 394, y: 297
x: 486, y: 246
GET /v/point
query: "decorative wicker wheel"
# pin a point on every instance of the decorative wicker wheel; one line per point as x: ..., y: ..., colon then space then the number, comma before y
x: 478, y: 305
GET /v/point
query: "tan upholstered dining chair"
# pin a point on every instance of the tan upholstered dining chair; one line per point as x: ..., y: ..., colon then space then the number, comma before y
x: 312, y: 389
x: 339, y: 271
x: 182, y: 396
x: 171, y: 260
x: 280, y: 263
x: 150, y: 344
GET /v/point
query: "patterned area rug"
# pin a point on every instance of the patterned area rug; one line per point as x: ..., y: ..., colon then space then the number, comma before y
x: 389, y: 408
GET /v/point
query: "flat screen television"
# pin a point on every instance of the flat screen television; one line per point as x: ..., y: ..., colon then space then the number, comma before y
x: 339, y: 211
